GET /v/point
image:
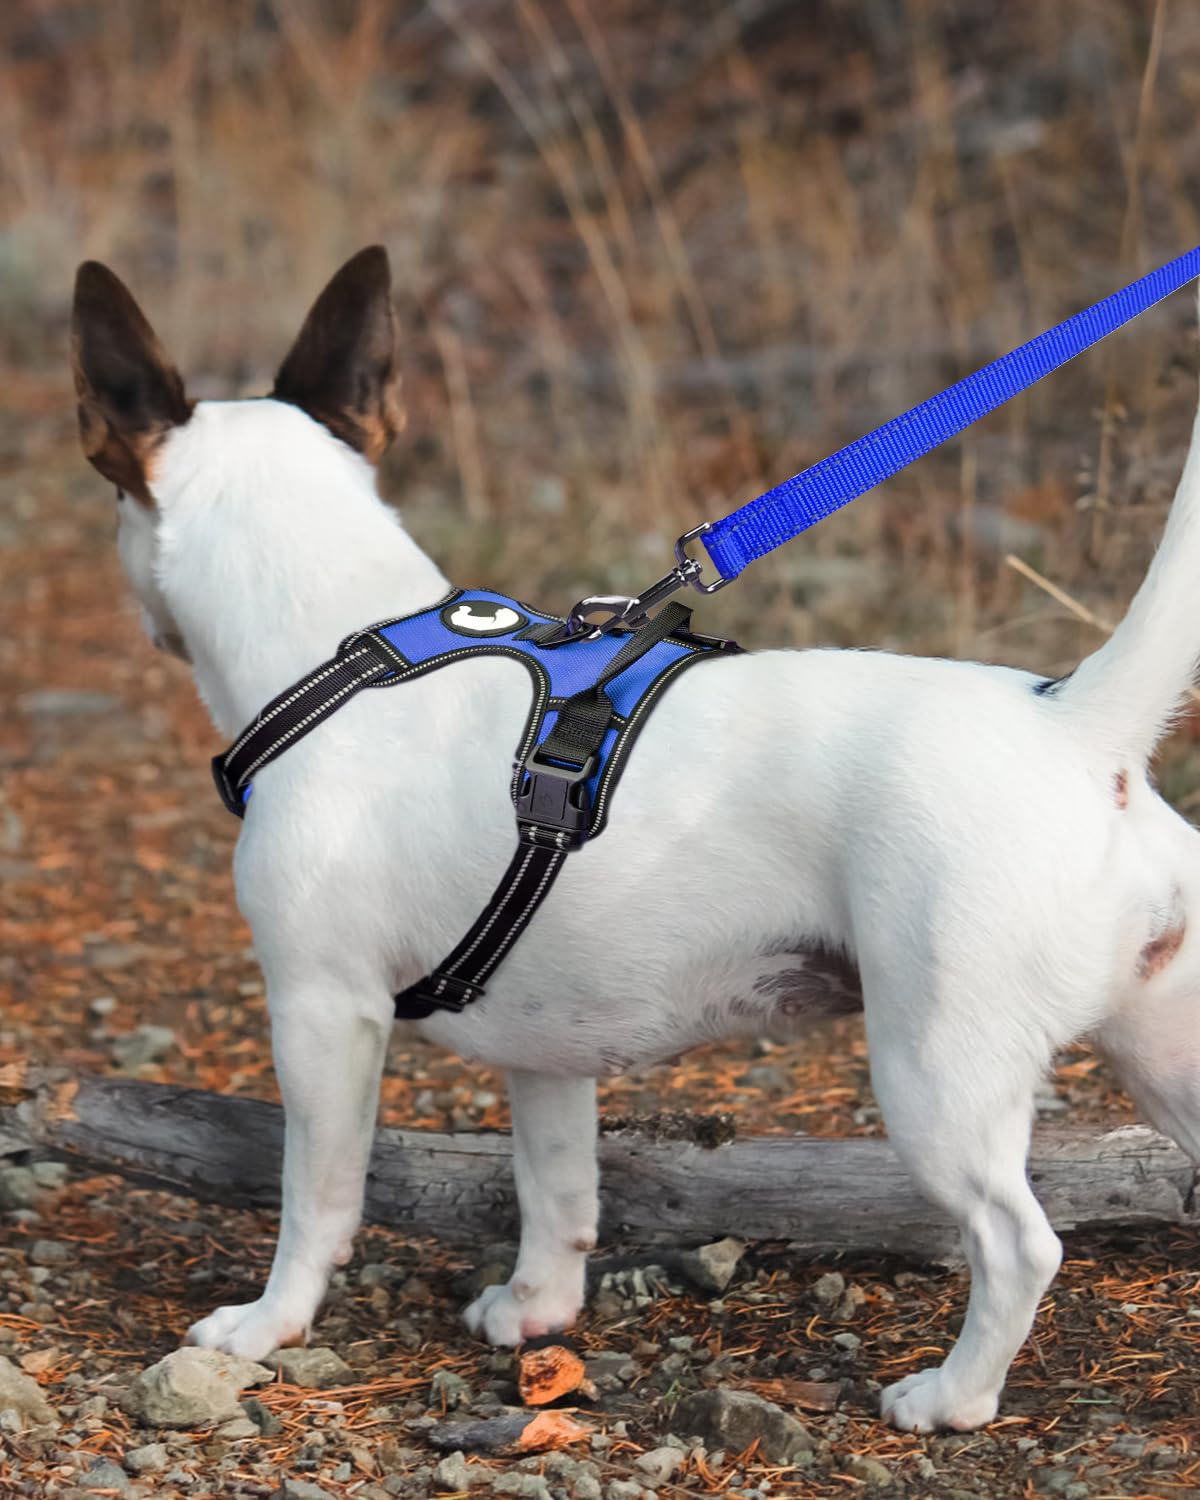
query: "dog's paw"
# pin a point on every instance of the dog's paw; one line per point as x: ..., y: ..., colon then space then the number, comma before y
x: 510, y: 1314
x: 251, y: 1330
x: 927, y: 1400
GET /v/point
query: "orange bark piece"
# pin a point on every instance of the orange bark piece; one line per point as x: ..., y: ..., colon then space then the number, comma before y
x: 548, y: 1373
x: 551, y: 1429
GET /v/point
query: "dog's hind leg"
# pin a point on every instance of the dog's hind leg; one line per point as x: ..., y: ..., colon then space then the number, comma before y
x: 328, y: 1057
x: 958, y: 1112
x: 554, y: 1164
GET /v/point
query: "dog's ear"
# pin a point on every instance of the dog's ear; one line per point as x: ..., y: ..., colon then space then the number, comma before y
x: 342, y: 369
x: 130, y: 394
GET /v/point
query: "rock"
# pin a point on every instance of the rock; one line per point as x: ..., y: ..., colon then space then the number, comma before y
x: 300, y: 1489
x: 105, y: 1475
x: 147, y: 1459
x: 23, y: 1396
x: 318, y: 1369
x: 623, y: 1489
x: 734, y: 1419
x: 532, y: 1486
x: 659, y: 1464
x: 50, y: 1174
x: 1077, y: 1491
x: 453, y: 1473
x: 587, y: 1487
x: 238, y: 1427
x: 448, y: 1390
x: 18, y: 1188
x: 609, y: 1370
x: 50, y: 1253
x: 869, y: 1470
x: 711, y: 1267
x: 828, y: 1289
x: 848, y: 1341
x: 148, y: 1044
x: 64, y: 703
x: 192, y: 1388
x: 262, y: 1416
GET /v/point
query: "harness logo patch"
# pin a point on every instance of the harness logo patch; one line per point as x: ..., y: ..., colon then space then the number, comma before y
x: 480, y: 618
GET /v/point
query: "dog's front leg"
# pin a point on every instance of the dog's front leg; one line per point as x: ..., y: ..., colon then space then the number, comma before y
x: 554, y: 1163
x: 328, y: 1056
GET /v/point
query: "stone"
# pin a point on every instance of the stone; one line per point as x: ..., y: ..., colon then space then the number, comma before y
x: 659, y: 1463
x: 262, y: 1416
x: 734, y: 1419
x: 623, y: 1489
x: 300, y: 1489
x: 65, y: 703
x: 238, y: 1427
x: 452, y: 1473
x: 50, y: 1253
x: 18, y: 1188
x: 50, y: 1174
x: 531, y: 1486
x: 147, y: 1459
x: 105, y: 1475
x: 319, y: 1369
x: 148, y: 1044
x: 869, y: 1470
x: 22, y: 1395
x: 587, y: 1487
x: 829, y: 1289
x: 448, y: 1390
x: 192, y: 1388
x: 848, y: 1341
x: 711, y: 1267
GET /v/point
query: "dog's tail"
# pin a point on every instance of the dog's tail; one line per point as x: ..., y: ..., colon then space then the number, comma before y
x: 1126, y: 694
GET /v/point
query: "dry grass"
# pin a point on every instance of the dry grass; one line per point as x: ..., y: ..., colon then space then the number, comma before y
x: 651, y: 257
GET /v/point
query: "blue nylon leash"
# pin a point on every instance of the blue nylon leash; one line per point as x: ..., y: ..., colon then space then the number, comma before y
x: 800, y: 502
x: 763, y: 524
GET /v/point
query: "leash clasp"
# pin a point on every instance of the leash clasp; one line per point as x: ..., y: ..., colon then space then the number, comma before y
x: 616, y: 610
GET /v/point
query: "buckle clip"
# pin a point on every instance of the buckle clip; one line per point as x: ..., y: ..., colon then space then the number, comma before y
x: 623, y: 610
x: 554, y: 798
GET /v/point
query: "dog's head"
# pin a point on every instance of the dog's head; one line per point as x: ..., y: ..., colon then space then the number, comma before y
x: 341, y: 371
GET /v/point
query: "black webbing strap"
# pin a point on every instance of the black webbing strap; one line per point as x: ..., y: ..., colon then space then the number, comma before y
x: 553, y: 812
x: 360, y: 661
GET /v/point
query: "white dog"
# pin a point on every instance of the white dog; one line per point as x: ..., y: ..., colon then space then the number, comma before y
x: 989, y: 856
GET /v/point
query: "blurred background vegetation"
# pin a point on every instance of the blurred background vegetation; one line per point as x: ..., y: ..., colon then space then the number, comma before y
x: 652, y: 256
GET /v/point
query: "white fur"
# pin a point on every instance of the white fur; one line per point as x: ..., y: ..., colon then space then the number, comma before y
x: 953, y: 832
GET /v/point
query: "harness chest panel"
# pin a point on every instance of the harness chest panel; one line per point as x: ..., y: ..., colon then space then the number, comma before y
x: 591, y: 698
x: 477, y: 622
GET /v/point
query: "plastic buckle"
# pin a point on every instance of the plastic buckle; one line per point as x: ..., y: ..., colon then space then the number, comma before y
x: 436, y: 992
x: 554, y: 798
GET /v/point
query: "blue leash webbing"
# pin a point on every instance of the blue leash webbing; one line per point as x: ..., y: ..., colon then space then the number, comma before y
x: 761, y: 525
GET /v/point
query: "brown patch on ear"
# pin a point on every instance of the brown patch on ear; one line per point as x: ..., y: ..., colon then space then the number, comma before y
x: 130, y: 394
x: 342, y: 369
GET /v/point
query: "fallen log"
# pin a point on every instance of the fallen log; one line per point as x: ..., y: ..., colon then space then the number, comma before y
x: 822, y: 1194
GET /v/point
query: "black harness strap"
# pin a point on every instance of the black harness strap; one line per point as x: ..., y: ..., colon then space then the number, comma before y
x: 361, y: 661
x: 553, y: 809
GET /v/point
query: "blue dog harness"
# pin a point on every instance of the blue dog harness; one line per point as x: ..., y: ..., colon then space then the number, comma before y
x: 589, y: 705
